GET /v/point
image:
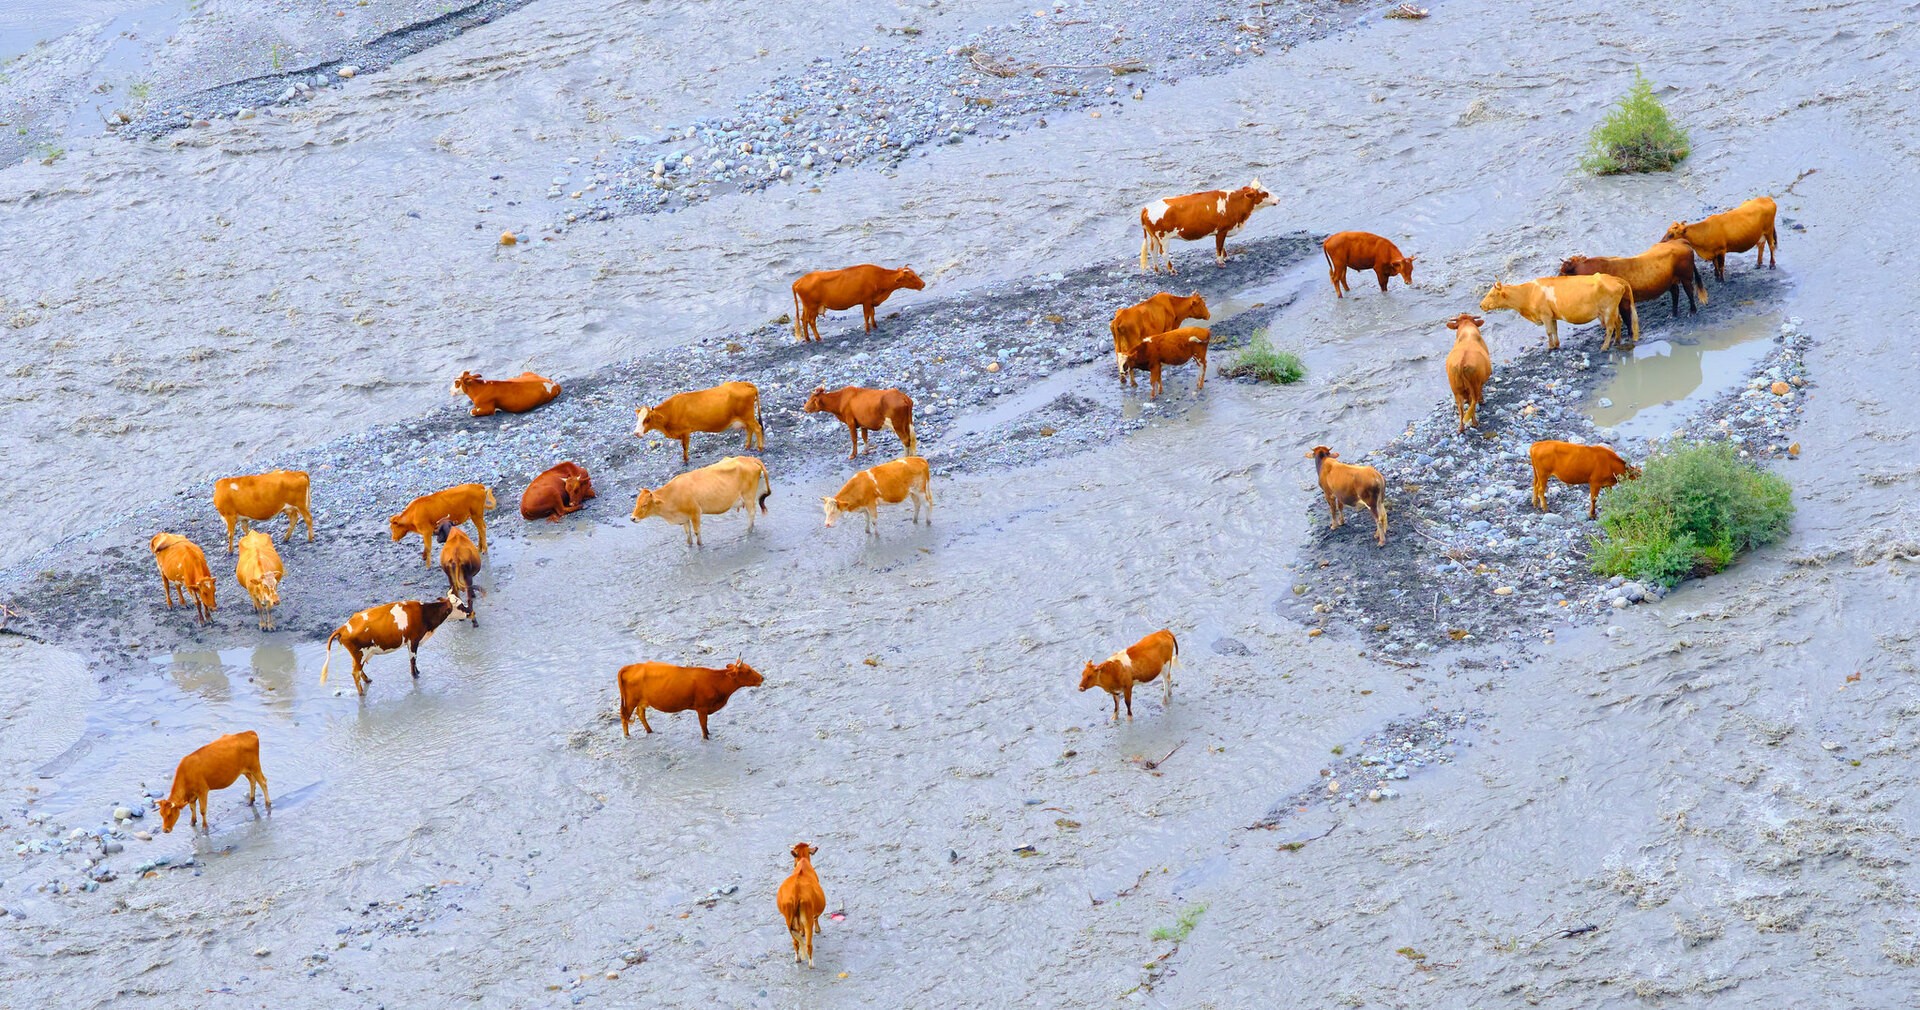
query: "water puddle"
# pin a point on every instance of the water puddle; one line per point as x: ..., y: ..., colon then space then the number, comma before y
x: 1655, y: 389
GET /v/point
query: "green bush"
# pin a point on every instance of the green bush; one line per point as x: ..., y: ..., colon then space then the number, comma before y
x: 1694, y: 509
x: 1260, y: 361
x: 1636, y: 136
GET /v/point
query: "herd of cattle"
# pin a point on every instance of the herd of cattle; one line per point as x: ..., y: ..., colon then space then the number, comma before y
x: 1147, y: 337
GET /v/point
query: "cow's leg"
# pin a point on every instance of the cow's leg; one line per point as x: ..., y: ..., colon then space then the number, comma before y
x: 480, y: 524
x: 873, y: 520
x: 1553, y: 333
x: 1540, y: 489
x: 1720, y: 267
x: 1593, y: 500
x: 853, y: 433
x: 1686, y: 284
x: 867, y: 313
x: 1380, y: 521
x: 1220, y: 247
x: 256, y: 775
x: 206, y: 823
x: 644, y: 724
x: 1380, y: 271
x: 231, y: 521
x: 167, y: 588
x: 1129, y: 697
x: 426, y: 548
x: 694, y: 528
x: 1202, y: 383
x: 413, y: 659
x: 360, y: 677
x: 704, y: 735
x: 747, y: 507
x: 1116, y: 706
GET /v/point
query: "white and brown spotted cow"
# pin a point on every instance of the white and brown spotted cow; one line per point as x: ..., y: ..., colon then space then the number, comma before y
x: 389, y: 627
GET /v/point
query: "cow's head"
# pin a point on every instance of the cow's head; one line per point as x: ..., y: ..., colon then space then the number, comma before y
x: 203, y: 590
x: 906, y: 278
x: 159, y: 541
x: 1196, y: 307
x: 456, y: 607
x: 644, y: 505
x: 834, y: 508
x: 817, y: 400
x: 1404, y: 267
x: 1257, y: 196
x: 1676, y: 232
x: 1500, y: 296
x: 1320, y: 454
x: 803, y: 851
x: 443, y: 529
x: 1466, y: 321
x: 169, y: 814
x: 460, y: 384
x: 398, y: 526
x: 743, y: 675
x: 1090, y: 676
x: 1570, y: 267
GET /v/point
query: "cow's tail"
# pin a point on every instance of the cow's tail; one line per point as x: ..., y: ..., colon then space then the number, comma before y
x: 1175, y: 661
x: 798, y: 333
x: 1633, y: 318
x: 324, y: 663
x: 490, y: 502
x: 766, y: 485
x: 1699, y: 284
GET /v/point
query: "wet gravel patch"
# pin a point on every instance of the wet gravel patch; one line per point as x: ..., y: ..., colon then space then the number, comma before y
x: 1017, y: 372
x: 1468, y: 558
x: 1372, y: 769
x: 883, y: 103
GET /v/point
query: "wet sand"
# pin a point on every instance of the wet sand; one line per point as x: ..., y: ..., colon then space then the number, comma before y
x: 1707, y: 788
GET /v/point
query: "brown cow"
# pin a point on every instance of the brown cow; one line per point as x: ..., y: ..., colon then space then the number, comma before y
x: 721, y: 408
x: 1138, y: 663
x: 1737, y: 230
x: 214, y: 766
x: 1666, y: 268
x: 801, y: 901
x: 458, y: 504
x: 1360, y: 250
x: 1468, y: 366
x: 714, y: 489
x: 865, y: 285
x: 259, y: 571
x: 263, y: 496
x: 560, y: 489
x: 1152, y: 317
x: 387, y: 628
x: 1174, y: 347
x: 515, y: 396
x: 1547, y: 300
x: 1345, y: 484
x: 864, y: 410
x: 891, y: 483
x: 461, y: 562
x: 1596, y: 466
x: 182, y: 563
x: 679, y: 688
x: 1193, y: 217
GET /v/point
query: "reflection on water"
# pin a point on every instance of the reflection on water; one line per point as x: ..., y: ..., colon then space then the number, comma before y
x: 273, y: 669
x: 1652, y: 390
x: 200, y: 673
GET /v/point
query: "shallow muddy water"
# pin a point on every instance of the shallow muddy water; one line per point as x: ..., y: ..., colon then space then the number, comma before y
x: 1654, y: 390
x: 262, y: 289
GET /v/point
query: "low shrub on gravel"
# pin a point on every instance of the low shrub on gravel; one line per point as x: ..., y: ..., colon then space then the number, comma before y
x: 1636, y: 136
x: 1694, y: 509
x: 1259, y: 360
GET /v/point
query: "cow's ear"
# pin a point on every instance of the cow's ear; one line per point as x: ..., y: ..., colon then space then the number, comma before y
x: 1332, y: 455
x: 1477, y: 321
x: 1453, y: 324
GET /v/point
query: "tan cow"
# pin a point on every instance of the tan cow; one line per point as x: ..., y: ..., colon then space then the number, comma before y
x: 390, y: 627
x: 456, y: 505
x: 263, y: 496
x: 714, y: 489
x: 1468, y: 367
x: 183, y: 564
x: 1596, y: 466
x: 1174, y: 347
x: 865, y: 285
x: 1547, y: 300
x: 517, y: 395
x: 1156, y: 315
x: 1138, y: 663
x: 260, y: 571
x: 1736, y: 231
x: 1195, y: 216
x: 214, y: 766
x: 721, y: 408
x: 867, y: 410
x: 1346, y: 484
x: 891, y: 483
x: 801, y: 901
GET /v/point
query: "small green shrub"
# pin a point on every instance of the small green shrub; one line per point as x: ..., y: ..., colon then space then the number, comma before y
x: 1694, y: 509
x: 1182, y: 927
x: 1259, y: 360
x: 1636, y: 136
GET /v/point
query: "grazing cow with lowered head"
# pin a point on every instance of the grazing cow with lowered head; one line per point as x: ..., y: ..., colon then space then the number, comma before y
x: 1468, y: 367
x: 724, y: 407
x: 1548, y: 300
x: 263, y: 496
x: 1138, y: 663
x: 391, y: 627
x: 1734, y: 231
x: 891, y: 483
x: 560, y: 489
x: 865, y: 285
x: 1666, y: 268
x: 1596, y: 466
x: 259, y: 571
x: 1195, y: 216
x: 461, y: 562
x: 672, y: 688
x: 801, y: 901
x: 183, y: 564
x: 1174, y: 347
x: 1346, y: 484
x: 214, y: 766
x: 714, y: 489
x: 866, y: 410
x: 1155, y: 316
x: 458, y: 504
x: 1361, y: 250
x: 515, y: 396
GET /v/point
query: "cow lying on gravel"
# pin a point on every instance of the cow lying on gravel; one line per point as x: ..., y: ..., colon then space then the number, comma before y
x: 515, y: 396
x: 801, y: 901
x: 388, y: 628
x: 1736, y: 231
x: 714, y: 489
x: 1596, y: 466
x: 679, y: 688
x: 1156, y: 315
x: 262, y: 496
x: 865, y: 285
x: 1468, y: 367
x: 458, y: 504
x: 559, y: 490
x: 1360, y: 250
x: 1138, y: 663
x: 214, y: 766
x: 1345, y: 484
x: 1195, y: 216
x: 183, y: 564
x: 1174, y: 347
x: 891, y: 483
x: 719, y: 408
x: 867, y: 410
